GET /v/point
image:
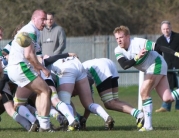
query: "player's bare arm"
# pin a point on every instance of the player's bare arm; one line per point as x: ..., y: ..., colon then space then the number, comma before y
x: 32, y: 58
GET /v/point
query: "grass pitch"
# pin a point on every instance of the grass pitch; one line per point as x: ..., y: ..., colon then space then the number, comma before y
x: 165, y: 124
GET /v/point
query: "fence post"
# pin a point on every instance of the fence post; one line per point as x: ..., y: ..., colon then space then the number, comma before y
x: 93, y: 47
x: 141, y: 79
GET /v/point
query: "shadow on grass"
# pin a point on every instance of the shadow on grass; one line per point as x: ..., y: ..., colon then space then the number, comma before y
x: 127, y: 128
x: 116, y: 128
x: 97, y: 128
x: 165, y: 128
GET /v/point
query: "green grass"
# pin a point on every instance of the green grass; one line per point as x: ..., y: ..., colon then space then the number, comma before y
x: 165, y: 124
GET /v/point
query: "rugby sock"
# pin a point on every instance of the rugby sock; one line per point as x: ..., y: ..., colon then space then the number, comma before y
x: 31, y: 109
x: 137, y: 113
x: 97, y: 109
x: 70, y: 108
x: 24, y: 111
x: 78, y: 116
x: 22, y: 121
x: 44, y: 122
x: 175, y: 94
x: 58, y: 116
x: 37, y: 116
x: 64, y: 109
x: 147, y: 109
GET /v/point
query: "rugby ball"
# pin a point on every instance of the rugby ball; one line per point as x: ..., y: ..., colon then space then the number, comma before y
x: 23, y: 39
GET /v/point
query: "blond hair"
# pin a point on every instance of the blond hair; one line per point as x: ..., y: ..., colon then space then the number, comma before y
x: 122, y: 28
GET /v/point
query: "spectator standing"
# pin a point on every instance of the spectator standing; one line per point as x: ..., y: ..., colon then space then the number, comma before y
x: 52, y: 37
x: 169, y: 39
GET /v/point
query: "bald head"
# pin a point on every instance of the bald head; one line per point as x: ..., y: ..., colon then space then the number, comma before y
x: 37, y: 12
x: 38, y: 18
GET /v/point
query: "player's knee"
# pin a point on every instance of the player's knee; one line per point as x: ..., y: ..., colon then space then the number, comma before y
x: 18, y: 102
x: 109, y: 105
x: 49, y: 92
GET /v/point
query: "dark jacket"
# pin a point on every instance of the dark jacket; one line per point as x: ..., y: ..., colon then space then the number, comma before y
x: 172, y: 61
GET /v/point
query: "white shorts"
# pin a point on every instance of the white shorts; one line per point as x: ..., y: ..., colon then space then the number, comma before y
x: 21, y: 74
x: 153, y: 63
x: 158, y: 68
x: 44, y: 77
x: 101, y: 69
x: 68, y: 70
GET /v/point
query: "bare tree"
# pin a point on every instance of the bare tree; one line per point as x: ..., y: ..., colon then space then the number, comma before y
x: 94, y: 17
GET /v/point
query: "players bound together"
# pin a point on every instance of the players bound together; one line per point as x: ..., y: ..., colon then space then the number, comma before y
x: 35, y: 87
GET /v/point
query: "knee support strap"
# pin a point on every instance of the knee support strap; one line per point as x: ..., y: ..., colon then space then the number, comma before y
x: 107, y: 97
x: 54, y: 95
x: 115, y: 95
x: 20, y: 100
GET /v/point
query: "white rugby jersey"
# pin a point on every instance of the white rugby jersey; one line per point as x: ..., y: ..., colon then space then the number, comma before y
x: 17, y: 52
x: 7, y: 47
x: 100, y: 69
x: 136, y: 45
